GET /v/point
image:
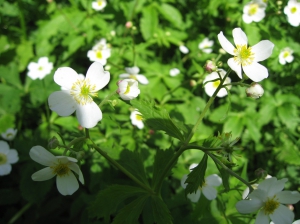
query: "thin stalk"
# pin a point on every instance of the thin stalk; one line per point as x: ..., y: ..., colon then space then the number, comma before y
x: 203, y: 148
x: 47, y: 108
x: 22, y: 21
x: 106, y: 99
x: 19, y: 213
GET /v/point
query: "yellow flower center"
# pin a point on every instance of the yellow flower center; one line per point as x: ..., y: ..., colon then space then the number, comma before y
x: 139, y: 117
x: 243, y: 55
x: 100, y: 2
x: 83, y: 91
x: 216, y: 84
x: 61, y: 169
x: 127, y: 89
x: 293, y: 9
x: 286, y: 54
x: 99, y: 54
x: 270, y: 205
x: 40, y: 68
x: 253, y: 9
x: 132, y: 77
x: 3, y: 158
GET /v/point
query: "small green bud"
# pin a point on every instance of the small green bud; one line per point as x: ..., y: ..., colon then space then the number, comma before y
x: 80, y: 155
x: 53, y: 143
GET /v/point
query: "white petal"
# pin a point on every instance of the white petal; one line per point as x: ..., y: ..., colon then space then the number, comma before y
x: 209, y: 192
x: 261, y: 218
x: 226, y: 45
x: 288, y: 197
x: 5, y: 169
x: 213, y: 180
x: 247, y: 19
x: 142, y: 79
x: 277, y: 187
x: 12, y: 156
x: 239, y: 37
x: 248, y: 206
x: 256, y: 72
x: 235, y: 67
x: 183, y: 179
x: 88, y: 115
x: 124, y: 76
x: 133, y: 71
x: 43, y: 174
x: 258, y: 194
x: 4, y: 147
x: 245, y: 193
x: 67, y: 184
x: 97, y: 75
x: 62, y: 103
x: 40, y: 155
x: 194, y: 197
x: 297, y: 222
x: 65, y: 77
x: 262, y: 50
x: 282, y: 215
x: 76, y: 169
x: 267, y: 183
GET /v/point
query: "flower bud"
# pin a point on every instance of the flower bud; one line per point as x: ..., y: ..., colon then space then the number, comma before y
x: 9, y: 134
x: 128, y: 24
x: 128, y: 89
x: 80, y: 155
x: 260, y: 173
x: 193, y: 83
x: 53, y: 143
x: 255, y: 91
x: 210, y: 66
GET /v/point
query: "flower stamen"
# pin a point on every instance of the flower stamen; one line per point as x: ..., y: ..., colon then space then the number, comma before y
x: 61, y: 169
x: 82, y: 91
x: 243, y: 55
x: 3, y: 158
x: 270, y: 205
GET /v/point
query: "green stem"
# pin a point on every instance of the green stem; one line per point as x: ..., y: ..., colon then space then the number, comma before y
x: 121, y: 168
x: 202, y: 148
x: 22, y: 21
x: 47, y: 108
x: 19, y: 213
x: 106, y: 99
x: 229, y: 170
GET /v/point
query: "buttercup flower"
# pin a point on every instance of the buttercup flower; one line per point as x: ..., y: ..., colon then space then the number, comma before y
x: 7, y: 157
x: 269, y: 197
x: 206, y: 45
x: 9, y: 134
x: 128, y: 89
x: 40, y: 69
x: 132, y: 73
x: 210, y: 87
x: 77, y: 94
x: 137, y: 119
x: 183, y: 49
x: 292, y: 10
x: 207, y: 187
x: 99, y: 4
x: 174, y: 72
x: 247, y: 57
x: 100, y: 52
x: 255, y: 91
x: 286, y: 56
x: 254, y: 11
x: 59, y: 166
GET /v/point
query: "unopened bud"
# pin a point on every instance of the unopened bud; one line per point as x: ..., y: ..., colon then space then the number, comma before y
x: 193, y: 83
x: 255, y: 91
x: 128, y: 24
x: 80, y: 155
x: 260, y: 173
x: 53, y: 143
x: 210, y: 66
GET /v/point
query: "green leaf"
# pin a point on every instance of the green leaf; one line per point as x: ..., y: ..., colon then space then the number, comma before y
x: 10, y: 100
x: 11, y: 75
x: 24, y: 53
x: 157, y: 118
x: 234, y: 124
x: 224, y: 176
x: 288, y: 115
x: 135, y: 166
x: 131, y: 212
x: 149, y: 22
x: 160, y: 210
x: 6, y: 121
x: 196, y: 177
x: 171, y: 14
x: 253, y: 129
x: 107, y: 201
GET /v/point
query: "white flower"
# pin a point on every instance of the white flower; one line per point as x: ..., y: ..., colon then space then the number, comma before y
x: 99, y: 4
x: 286, y: 56
x: 206, y: 45
x: 254, y: 186
x: 137, y: 119
x: 183, y: 49
x: 9, y: 134
x: 78, y: 94
x: 255, y: 91
x: 210, y: 87
x: 59, y: 166
x: 292, y: 10
x: 247, y: 57
x: 269, y: 197
x: 40, y: 69
x: 207, y: 187
x: 253, y: 11
x: 132, y: 73
x: 7, y: 157
x: 128, y: 89
x: 100, y: 52
x: 174, y: 72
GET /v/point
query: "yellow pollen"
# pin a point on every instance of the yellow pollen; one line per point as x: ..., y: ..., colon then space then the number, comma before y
x: 40, y: 68
x: 82, y: 91
x: 286, y: 54
x: 3, y: 158
x: 270, y: 205
x: 61, y: 169
x: 138, y: 117
x: 127, y: 89
x: 293, y: 10
x: 216, y: 84
x: 98, y: 54
x: 243, y: 55
x: 100, y: 2
x: 253, y: 9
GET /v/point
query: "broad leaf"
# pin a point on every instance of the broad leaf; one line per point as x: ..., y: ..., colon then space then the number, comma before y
x: 160, y: 211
